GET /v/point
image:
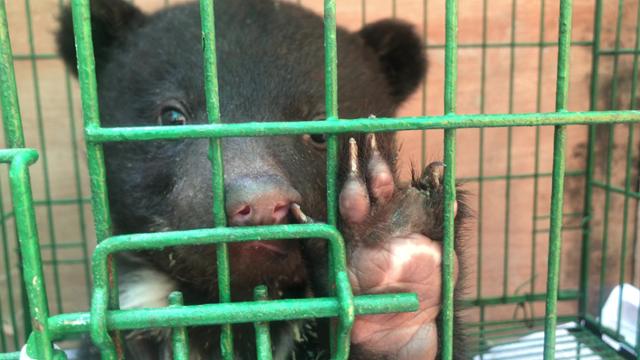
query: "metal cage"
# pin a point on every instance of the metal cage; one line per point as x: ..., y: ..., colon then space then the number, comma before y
x: 39, y: 329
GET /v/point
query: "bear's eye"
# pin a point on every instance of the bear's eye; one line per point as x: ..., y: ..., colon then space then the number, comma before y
x: 172, y: 116
x: 318, y: 141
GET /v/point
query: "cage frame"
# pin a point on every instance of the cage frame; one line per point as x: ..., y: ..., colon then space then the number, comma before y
x: 344, y: 305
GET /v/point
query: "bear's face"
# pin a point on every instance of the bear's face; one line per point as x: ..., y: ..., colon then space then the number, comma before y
x: 270, y: 58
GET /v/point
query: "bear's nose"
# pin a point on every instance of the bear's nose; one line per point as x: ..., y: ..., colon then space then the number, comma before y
x: 259, y: 200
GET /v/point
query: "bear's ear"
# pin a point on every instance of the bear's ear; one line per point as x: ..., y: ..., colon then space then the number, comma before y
x: 400, y: 51
x: 110, y: 20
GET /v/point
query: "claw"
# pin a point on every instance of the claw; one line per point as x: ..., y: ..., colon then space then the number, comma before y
x: 373, y: 143
x: 354, y: 197
x: 434, y: 173
x: 381, y: 179
x: 299, y: 215
x: 353, y: 157
x: 432, y: 179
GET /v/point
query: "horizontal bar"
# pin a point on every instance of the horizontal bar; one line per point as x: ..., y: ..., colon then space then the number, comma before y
x: 95, y: 134
x: 64, y: 262
x: 534, y: 346
x: 616, y: 189
x: 570, y: 214
x: 623, y: 51
x: 537, y: 320
x: 522, y: 176
x: 527, y: 343
x: 63, y: 245
x: 10, y: 356
x: 564, y: 295
x: 25, y: 156
x: 533, y: 44
x: 232, y: 313
x: 62, y: 201
x: 155, y: 241
x: 564, y: 229
x: 50, y: 56
x: 594, y: 323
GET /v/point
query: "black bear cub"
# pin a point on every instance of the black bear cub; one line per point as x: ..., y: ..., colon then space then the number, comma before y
x: 270, y: 68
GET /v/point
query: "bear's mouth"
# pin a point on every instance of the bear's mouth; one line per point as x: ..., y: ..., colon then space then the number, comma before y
x: 277, y: 247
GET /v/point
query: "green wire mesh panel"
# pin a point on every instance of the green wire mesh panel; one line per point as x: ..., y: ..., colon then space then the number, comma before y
x: 556, y: 205
x: 61, y: 197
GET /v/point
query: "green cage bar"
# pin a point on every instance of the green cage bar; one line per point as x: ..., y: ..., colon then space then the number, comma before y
x: 452, y: 121
x: 80, y: 198
x: 224, y: 313
x: 263, y: 336
x: 14, y: 138
x: 19, y: 160
x: 588, y: 194
x: 11, y: 119
x: 448, y: 254
x: 45, y: 163
x: 331, y: 101
x: 91, y: 115
x: 179, y: 335
x: 557, y: 185
x: 217, y: 167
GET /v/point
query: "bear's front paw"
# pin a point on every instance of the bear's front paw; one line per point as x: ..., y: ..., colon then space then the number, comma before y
x: 392, y: 235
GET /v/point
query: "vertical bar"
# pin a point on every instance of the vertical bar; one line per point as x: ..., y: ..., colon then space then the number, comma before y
x: 341, y: 342
x: 331, y: 100
x: 636, y: 52
x: 625, y: 220
x: 6, y: 251
x: 3, y: 339
x: 91, y: 115
x: 45, y: 163
x: 557, y: 183
x: 81, y: 13
x: 14, y: 137
x: 632, y: 105
x: 507, y: 188
x: 585, y: 261
x: 207, y: 14
x: 263, y: 337
x: 625, y: 210
x: 483, y: 90
x: 605, y: 227
x: 30, y: 251
x: 536, y: 169
x: 11, y: 119
x: 638, y: 334
x: 425, y: 38
x: 76, y: 172
x: 179, y: 336
x: 616, y: 58
x: 610, y: 147
x: 450, y: 79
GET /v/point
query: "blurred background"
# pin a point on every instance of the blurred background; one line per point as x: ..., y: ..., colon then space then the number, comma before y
x: 507, y: 64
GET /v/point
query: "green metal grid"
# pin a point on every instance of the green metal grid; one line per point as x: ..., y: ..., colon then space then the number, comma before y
x: 450, y: 122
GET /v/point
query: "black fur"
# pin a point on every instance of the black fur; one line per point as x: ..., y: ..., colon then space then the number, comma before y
x: 400, y: 52
x: 109, y: 23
